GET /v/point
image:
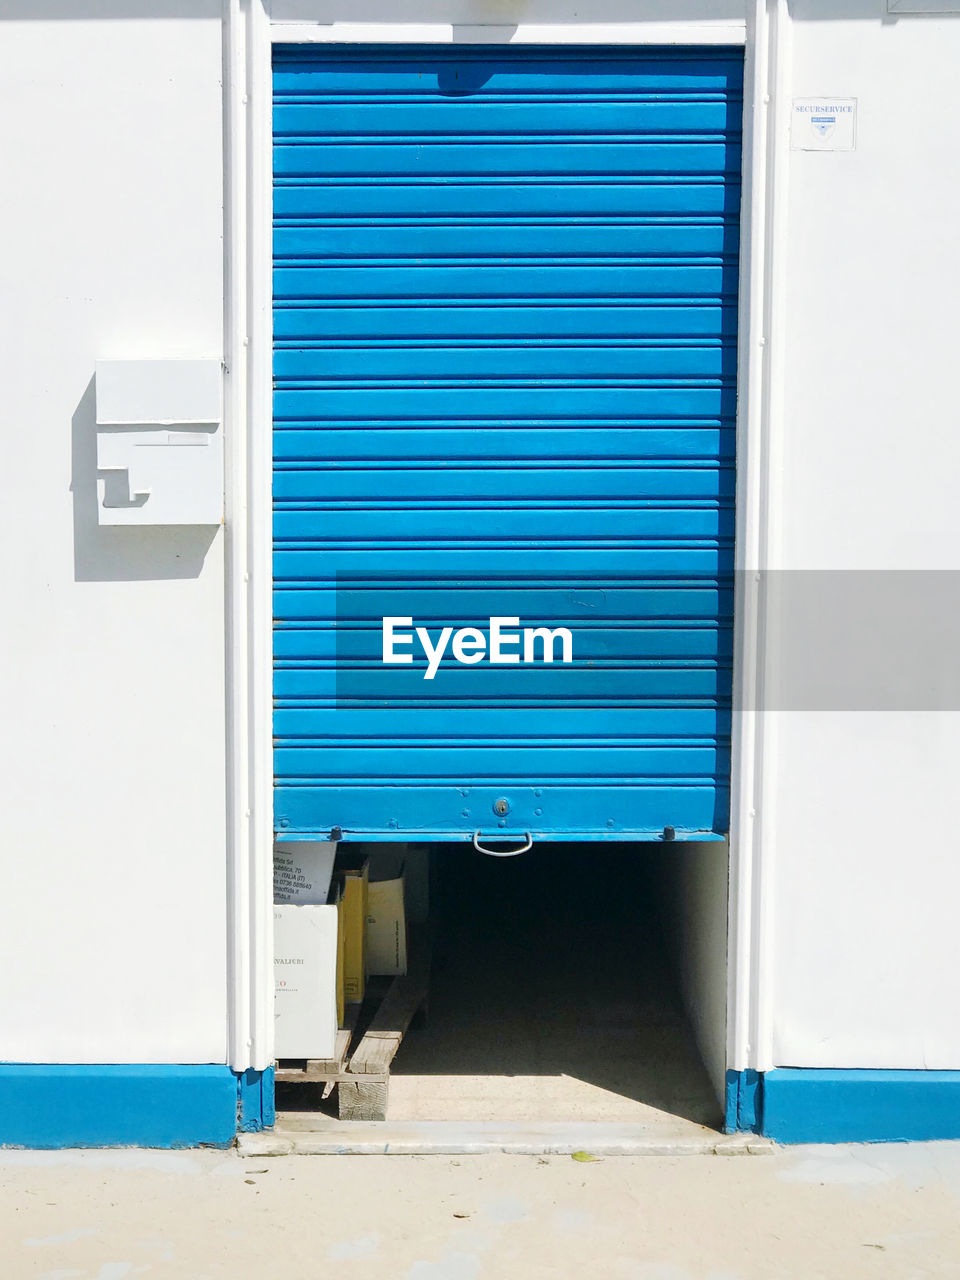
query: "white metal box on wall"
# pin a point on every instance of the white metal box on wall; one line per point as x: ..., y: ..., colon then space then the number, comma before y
x: 159, y: 442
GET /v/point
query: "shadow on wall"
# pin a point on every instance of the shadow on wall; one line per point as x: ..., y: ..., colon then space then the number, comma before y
x: 505, y: 13
x: 463, y: 33
x: 502, y: 13
x: 74, y: 10
x: 827, y: 10
x: 104, y: 553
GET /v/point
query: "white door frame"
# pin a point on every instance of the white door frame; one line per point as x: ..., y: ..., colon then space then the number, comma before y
x: 249, y: 34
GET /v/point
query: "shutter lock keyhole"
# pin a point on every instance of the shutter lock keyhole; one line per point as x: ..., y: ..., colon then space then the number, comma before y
x: 501, y: 807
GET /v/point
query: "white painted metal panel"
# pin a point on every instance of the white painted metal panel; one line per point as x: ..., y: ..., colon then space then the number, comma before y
x: 160, y: 476
x: 133, y: 392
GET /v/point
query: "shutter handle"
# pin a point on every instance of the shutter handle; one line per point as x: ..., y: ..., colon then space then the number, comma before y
x: 503, y: 853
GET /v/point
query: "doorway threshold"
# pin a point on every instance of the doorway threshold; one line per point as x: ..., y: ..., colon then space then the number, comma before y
x: 319, y: 1136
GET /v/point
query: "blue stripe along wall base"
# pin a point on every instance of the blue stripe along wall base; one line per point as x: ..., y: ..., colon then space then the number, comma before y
x: 743, y: 1098
x: 130, y: 1105
x: 255, y: 1110
x: 794, y: 1105
x: 57, y: 1106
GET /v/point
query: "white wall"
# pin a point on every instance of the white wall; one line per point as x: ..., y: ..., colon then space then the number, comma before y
x: 863, y: 803
x: 113, y: 897
x: 112, y: 901
x: 694, y: 880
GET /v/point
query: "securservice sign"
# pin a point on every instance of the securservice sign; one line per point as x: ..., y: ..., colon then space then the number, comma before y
x: 824, y: 124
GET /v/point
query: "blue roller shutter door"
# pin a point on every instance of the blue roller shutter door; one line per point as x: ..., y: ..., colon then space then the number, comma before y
x: 505, y: 349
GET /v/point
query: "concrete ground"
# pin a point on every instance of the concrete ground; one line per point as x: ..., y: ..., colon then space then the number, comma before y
x: 810, y: 1213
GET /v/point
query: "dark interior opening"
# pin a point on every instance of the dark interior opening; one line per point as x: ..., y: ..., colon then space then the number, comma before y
x: 553, y: 994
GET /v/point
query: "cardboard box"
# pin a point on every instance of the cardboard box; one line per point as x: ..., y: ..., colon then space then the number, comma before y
x: 386, y: 927
x: 305, y: 969
x: 354, y: 873
x: 302, y: 871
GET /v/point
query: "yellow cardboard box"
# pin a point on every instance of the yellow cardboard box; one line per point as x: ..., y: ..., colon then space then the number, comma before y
x: 355, y: 874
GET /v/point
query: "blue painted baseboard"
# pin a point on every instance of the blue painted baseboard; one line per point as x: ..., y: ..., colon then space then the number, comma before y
x: 744, y: 1101
x: 53, y: 1106
x: 815, y: 1105
x: 256, y: 1106
x: 791, y: 1104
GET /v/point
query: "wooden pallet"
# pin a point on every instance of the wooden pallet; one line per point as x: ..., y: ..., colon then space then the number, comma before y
x: 361, y: 1074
